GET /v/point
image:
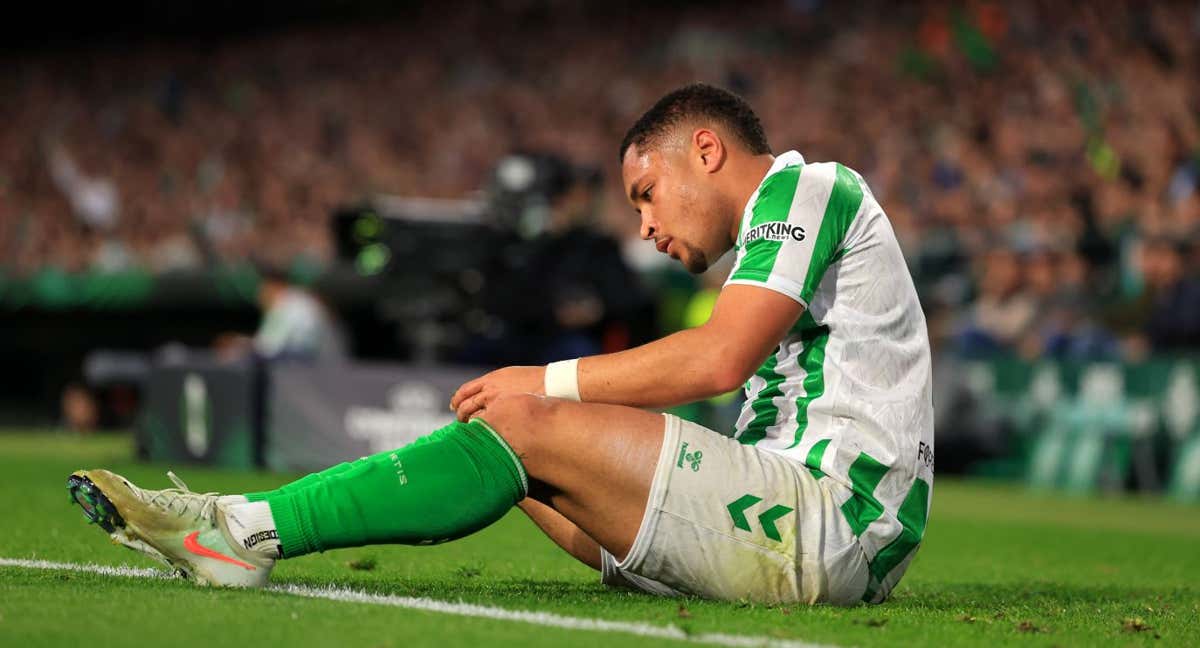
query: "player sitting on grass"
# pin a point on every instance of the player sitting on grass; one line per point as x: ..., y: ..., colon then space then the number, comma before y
x: 821, y: 494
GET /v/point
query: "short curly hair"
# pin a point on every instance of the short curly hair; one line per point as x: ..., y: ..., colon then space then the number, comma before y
x: 697, y: 101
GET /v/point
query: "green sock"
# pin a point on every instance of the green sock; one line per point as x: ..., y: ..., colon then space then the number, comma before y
x: 449, y: 484
x: 305, y: 481
x: 315, y: 478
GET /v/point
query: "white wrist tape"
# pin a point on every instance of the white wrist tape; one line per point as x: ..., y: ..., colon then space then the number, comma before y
x: 562, y: 379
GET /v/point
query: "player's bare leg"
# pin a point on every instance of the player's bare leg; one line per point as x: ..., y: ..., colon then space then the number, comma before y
x: 563, y: 532
x: 592, y: 463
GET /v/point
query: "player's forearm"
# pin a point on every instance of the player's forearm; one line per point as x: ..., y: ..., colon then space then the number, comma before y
x: 687, y: 366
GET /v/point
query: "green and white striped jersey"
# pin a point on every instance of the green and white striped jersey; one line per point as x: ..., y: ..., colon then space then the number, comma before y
x: 848, y: 391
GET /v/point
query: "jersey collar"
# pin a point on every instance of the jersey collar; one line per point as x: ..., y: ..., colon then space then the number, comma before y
x: 790, y: 158
x: 782, y: 161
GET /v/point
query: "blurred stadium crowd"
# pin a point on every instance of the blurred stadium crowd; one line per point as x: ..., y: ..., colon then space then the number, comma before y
x: 1039, y: 161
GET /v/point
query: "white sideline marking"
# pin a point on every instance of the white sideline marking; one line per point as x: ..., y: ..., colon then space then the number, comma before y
x: 446, y: 607
x: 103, y: 570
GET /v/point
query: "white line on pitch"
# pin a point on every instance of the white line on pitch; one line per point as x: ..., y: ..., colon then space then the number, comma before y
x: 446, y: 607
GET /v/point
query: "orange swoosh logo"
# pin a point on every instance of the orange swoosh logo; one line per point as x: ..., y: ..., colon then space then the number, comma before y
x: 191, y: 544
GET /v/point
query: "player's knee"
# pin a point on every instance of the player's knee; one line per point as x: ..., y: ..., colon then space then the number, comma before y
x: 514, y: 409
x: 520, y: 418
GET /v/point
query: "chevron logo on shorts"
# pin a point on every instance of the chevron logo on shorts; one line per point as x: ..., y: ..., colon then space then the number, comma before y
x: 766, y: 519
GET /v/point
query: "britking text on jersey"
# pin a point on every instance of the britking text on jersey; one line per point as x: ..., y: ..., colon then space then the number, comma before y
x: 776, y: 231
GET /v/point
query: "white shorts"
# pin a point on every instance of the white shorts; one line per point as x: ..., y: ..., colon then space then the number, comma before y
x: 729, y: 521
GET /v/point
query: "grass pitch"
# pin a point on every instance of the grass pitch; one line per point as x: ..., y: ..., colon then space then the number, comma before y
x: 999, y: 566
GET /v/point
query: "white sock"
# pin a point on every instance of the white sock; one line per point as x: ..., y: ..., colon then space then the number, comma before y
x: 252, y: 526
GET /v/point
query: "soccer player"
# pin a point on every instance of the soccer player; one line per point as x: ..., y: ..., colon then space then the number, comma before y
x: 822, y: 492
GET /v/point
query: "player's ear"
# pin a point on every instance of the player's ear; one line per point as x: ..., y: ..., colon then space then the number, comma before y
x: 710, y: 148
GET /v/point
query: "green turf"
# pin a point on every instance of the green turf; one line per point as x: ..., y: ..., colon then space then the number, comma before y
x: 999, y: 566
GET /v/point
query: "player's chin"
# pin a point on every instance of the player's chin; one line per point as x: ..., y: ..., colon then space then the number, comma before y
x: 695, y: 263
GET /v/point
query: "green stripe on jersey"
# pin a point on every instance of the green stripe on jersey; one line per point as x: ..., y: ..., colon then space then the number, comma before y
x: 863, y: 508
x: 815, y: 455
x: 812, y: 360
x: 765, y: 411
x: 774, y: 204
x: 914, y: 515
x: 844, y: 200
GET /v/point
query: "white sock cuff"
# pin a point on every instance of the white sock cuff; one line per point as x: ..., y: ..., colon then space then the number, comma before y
x: 253, y: 527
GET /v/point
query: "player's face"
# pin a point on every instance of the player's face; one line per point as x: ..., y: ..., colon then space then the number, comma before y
x: 676, y: 204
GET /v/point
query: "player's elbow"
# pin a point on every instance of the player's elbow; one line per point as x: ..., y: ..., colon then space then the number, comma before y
x: 730, y: 370
x: 726, y: 365
x: 725, y: 379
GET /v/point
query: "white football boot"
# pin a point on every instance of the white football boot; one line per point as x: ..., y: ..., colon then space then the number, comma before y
x: 176, y: 526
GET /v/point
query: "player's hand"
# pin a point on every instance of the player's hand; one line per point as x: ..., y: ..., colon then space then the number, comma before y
x: 475, y: 395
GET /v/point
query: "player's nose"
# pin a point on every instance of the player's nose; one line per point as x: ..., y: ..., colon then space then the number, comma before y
x: 649, y: 228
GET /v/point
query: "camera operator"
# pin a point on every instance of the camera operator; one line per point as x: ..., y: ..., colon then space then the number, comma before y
x: 567, y: 291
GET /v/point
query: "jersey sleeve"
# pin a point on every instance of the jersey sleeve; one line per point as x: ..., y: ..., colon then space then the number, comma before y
x: 797, y: 229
